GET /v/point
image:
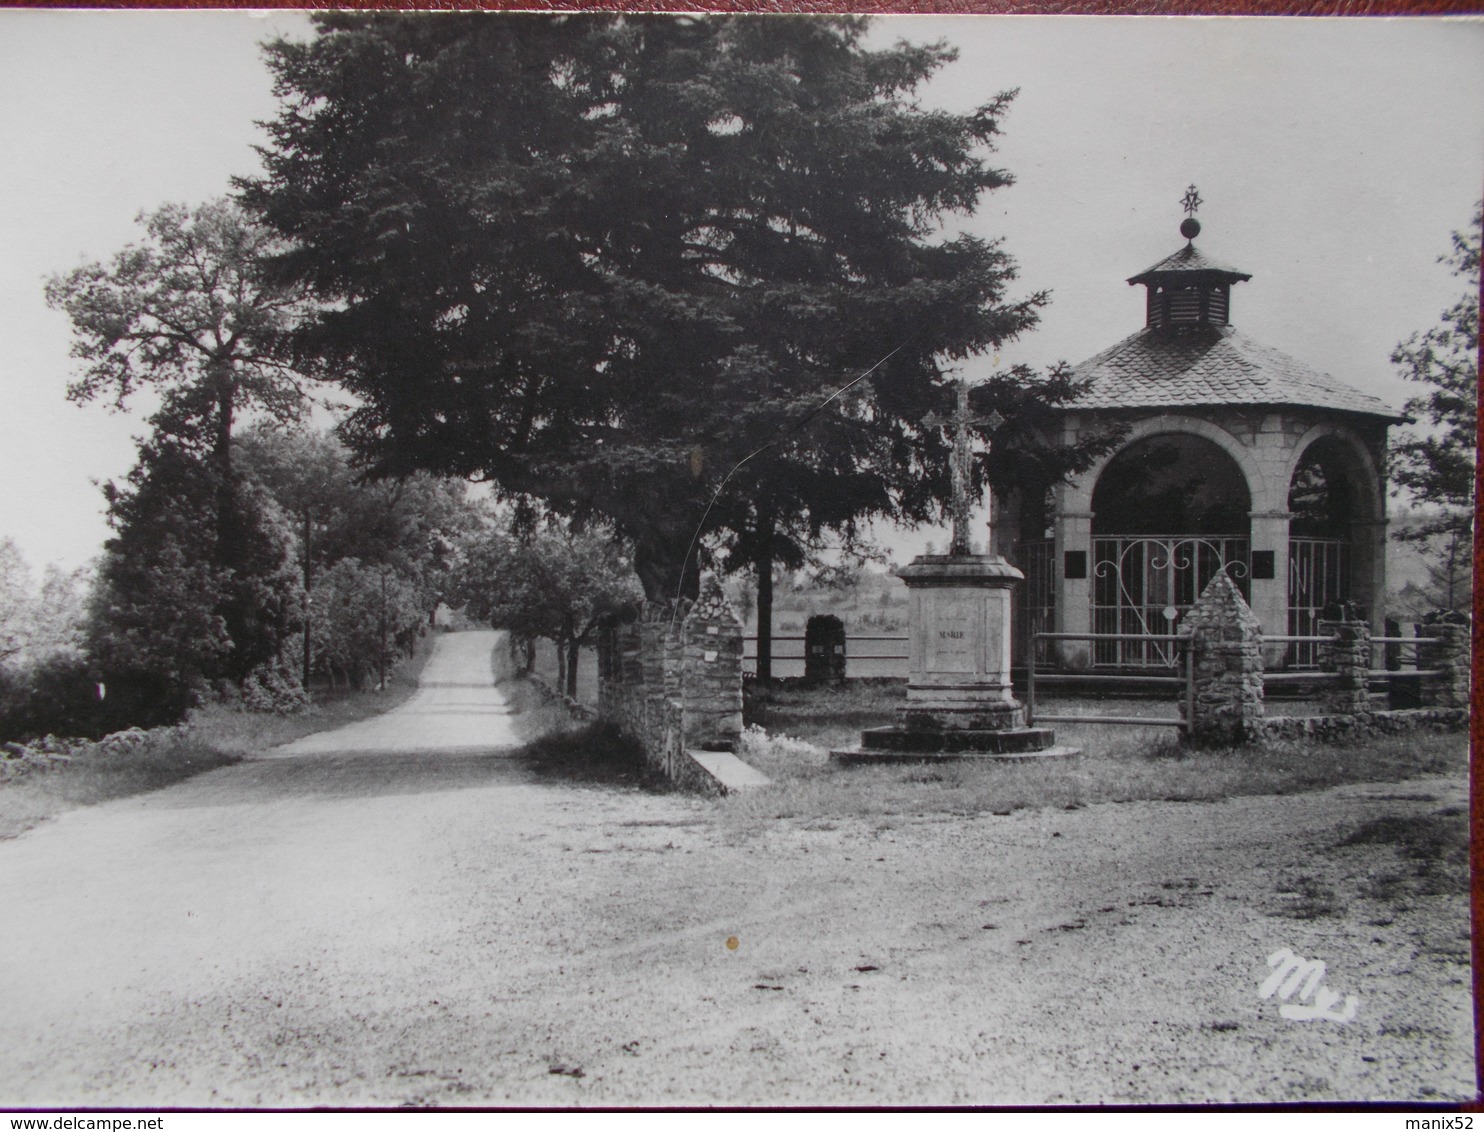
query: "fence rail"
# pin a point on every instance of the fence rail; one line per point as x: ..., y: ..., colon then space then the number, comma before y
x: 1399, y: 665
x: 876, y: 664
x: 1185, y: 657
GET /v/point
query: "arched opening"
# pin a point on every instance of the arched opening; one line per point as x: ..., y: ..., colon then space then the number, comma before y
x: 1321, y: 495
x: 1170, y: 511
x: 1171, y: 484
x: 1322, y: 503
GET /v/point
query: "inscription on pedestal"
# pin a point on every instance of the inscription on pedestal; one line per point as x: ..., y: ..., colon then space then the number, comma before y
x: 951, y: 640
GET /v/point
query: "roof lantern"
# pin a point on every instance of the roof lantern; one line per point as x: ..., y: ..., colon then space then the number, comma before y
x: 1188, y: 290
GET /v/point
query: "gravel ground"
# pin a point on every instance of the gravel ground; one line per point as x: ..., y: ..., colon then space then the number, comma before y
x: 409, y: 915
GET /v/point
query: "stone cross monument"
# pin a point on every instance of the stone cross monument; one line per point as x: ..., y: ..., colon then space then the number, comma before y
x: 959, y: 700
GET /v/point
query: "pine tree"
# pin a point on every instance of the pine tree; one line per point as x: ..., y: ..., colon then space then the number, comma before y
x: 687, y: 275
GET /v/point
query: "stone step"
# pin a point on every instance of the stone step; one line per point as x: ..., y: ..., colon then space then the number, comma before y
x: 728, y: 773
x: 910, y: 739
x: 871, y: 758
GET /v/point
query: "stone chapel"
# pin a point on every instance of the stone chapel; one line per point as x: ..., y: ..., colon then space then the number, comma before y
x: 1237, y: 458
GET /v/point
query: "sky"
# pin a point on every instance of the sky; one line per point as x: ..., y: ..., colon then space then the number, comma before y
x: 1334, y: 158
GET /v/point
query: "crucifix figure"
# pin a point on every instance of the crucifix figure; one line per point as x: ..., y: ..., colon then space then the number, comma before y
x: 962, y: 462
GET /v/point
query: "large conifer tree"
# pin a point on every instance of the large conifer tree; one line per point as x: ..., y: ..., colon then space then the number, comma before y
x: 602, y: 260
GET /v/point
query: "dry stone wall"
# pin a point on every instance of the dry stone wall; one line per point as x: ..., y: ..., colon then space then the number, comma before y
x: 1337, y: 728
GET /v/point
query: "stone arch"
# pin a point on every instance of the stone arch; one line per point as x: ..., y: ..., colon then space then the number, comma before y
x: 1345, y: 559
x: 1171, y: 483
x: 1078, y: 497
x: 1371, y: 495
x: 1164, y: 514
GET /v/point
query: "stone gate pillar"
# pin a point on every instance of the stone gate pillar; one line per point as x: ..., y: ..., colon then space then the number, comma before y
x: 710, y: 671
x: 1452, y: 656
x: 1348, y: 655
x: 1225, y: 641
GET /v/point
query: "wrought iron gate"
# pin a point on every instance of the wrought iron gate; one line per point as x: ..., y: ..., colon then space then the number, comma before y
x: 1318, y: 574
x: 1143, y: 585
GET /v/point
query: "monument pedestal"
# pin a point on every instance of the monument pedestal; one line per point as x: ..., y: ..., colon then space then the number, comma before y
x: 959, y: 701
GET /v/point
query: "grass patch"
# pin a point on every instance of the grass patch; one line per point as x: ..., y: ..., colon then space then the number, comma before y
x: 213, y: 736
x: 1119, y: 764
x: 229, y: 729
x: 536, y: 715
x: 828, y: 718
x: 169, y: 755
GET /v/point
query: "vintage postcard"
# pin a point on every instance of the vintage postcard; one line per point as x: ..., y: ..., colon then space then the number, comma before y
x: 636, y: 561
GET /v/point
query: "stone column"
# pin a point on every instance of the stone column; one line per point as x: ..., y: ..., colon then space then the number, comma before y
x: 1269, y: 596
x: 1224, y: 638
x: 1348, y: 655
x: 1368, y: 567
x: 1074, y: 595
x: 1452, y: 655
x: 959, y: 672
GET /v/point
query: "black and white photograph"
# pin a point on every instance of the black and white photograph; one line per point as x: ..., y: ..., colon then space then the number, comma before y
x: 612, y: 560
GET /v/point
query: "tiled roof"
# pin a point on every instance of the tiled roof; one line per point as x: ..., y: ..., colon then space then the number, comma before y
x: 1189, y: 258
x: 1211, y: 366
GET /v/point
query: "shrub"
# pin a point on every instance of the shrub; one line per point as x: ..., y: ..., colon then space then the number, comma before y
x: 274, y: 687
x: 60, y: 696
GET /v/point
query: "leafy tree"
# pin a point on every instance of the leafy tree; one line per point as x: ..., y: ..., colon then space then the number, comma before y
x: 556, y: 583
x: 636, y: 267
x: 412, y: 525
x: 308, y: 476
x: 1447, y: 565
x: 188, y: 312
x: 364, y: 616
x: 16, y: 604
x: 37, y: 622
x: 60, y: 612
x: 1438, y: 466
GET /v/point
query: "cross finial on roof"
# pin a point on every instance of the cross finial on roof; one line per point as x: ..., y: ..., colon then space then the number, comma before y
x: 1190, y: 201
